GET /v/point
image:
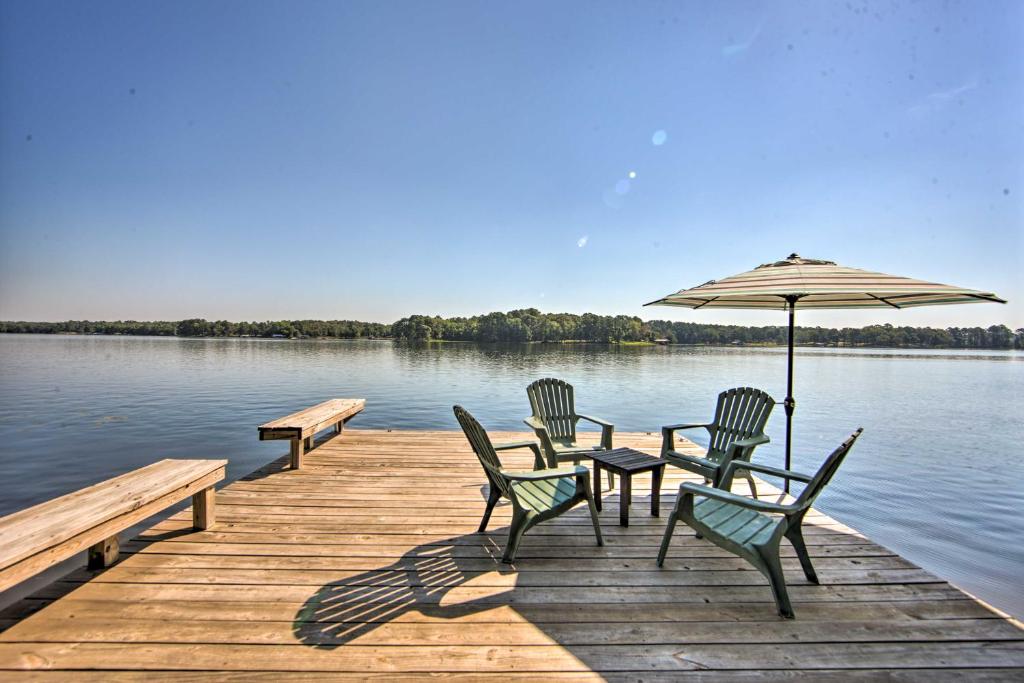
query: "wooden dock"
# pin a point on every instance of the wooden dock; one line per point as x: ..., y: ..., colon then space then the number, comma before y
x: 354, y: 568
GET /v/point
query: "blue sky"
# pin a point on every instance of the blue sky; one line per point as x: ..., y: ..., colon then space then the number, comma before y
x: 255, y: 160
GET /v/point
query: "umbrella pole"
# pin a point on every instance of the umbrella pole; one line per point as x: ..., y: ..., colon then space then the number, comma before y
x: 789, y: 403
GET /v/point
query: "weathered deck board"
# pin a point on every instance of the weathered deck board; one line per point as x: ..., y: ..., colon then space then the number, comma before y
x: 344, y: 570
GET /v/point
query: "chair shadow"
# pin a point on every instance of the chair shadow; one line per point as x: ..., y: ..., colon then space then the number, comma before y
x: 413, y: 590
x: 342, y: 611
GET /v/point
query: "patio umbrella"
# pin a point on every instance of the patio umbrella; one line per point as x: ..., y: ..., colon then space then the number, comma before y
x: 811, y: 283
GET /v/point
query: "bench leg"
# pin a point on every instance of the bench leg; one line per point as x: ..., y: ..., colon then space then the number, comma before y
x: 104, y: 553
x: 298, y: 448
x: 204, y: 509
x: 340, y: 427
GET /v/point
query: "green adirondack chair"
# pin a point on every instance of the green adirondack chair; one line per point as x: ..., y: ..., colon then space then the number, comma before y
x: 753, y: 529
x: 736, y: 430
x: 554, y: 422
x: 536, y: 496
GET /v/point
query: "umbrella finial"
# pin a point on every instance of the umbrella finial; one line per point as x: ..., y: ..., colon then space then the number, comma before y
x: 794, y: 256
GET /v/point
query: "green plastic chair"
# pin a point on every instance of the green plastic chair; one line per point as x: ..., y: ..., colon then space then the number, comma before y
x: 736, y: 430
x: 536, y: 496
x: 753, y: 529
x: 554, y: 421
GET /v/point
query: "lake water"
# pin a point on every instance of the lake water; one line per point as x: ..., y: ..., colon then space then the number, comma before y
x: 937, y: 475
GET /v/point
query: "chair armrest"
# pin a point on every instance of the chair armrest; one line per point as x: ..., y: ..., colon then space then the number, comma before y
x: 752, y: 441
x: 534, y: 422
x: 685, y: 425
x: 541, y: 475
x: 668, y: 435
x: 514, y: 444
x: 774, y: 471
x: 538, y: 459
x: 607, y: 429
x: 541, y: 430
x: 741, y: 451
x: 595, y: 420
x: 727, y: 497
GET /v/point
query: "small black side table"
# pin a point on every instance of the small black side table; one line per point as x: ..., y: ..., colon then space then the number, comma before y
x: 626, y: 462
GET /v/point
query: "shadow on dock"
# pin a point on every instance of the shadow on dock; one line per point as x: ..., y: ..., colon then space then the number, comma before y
x: 342, y: 611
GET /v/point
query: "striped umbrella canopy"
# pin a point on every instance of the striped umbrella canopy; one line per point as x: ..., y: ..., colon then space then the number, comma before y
x: 812, y: 283
x: 797, y: 282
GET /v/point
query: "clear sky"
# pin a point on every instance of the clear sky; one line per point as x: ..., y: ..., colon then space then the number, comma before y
x: 258, y: 160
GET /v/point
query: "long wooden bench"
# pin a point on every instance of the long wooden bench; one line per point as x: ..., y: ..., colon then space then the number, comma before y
x: 302, y: 426
x: 41, y: 536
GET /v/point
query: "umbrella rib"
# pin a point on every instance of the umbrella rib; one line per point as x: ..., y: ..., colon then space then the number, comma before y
x: 705, y: 303
x: 882, y: 299
x: 993, y: 298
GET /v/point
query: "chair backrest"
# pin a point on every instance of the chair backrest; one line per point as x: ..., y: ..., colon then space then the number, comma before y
x: 552, y: 401
x: 740, y: 414
x: 481, y: 444
x: 825, y: 472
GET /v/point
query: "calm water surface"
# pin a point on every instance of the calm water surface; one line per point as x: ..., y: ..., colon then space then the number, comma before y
x: 936, y: 476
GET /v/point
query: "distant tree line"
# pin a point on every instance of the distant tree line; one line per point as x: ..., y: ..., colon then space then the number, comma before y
x: 530, y: 325
x: 197, y: 327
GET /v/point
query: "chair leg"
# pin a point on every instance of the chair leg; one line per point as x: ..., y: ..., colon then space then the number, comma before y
x: 515, y: 534
x: 753, y: 488
x: 796, y: 536
x: 611, y: 481
x: 493, y: 496
x: 773, y: 569
x: 667, y: 538
x: 593, y: 511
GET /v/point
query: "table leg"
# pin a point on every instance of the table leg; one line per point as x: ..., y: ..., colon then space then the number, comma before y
x: 656, y: 475
x: 625, y: 489
x: 597, y: 489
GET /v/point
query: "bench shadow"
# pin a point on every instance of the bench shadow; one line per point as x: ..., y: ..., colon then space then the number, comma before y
x: 138, y: 542
x: 271, y: 468
x: 283, y: 463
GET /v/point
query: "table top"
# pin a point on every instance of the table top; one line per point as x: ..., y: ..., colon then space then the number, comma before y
x: 627, y: 460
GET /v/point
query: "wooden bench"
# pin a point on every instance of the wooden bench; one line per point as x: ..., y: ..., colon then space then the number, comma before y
x: 41, y: 536
x: 300, y: 427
